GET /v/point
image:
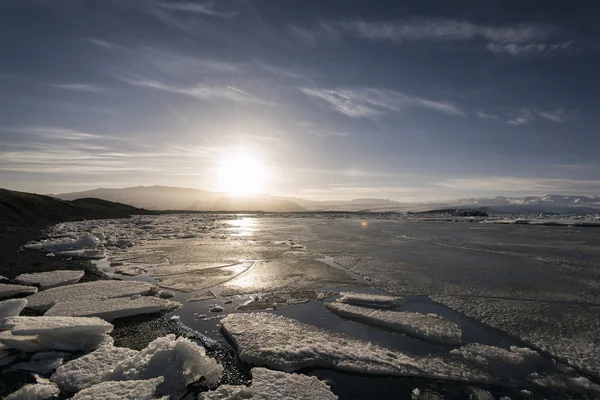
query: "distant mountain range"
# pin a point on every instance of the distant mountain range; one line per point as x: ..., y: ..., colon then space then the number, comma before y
x: 173, y: 198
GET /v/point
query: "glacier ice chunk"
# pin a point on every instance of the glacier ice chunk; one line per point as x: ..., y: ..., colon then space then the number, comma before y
x: 88, y: 370
x: 180, y: 361
x: 121, y: 390
x: 97, y: 290
x: 7, y: 290
x: 56, y: 325
x: 110, y: 309
x: 40, y: 390
x: 50, y: 279
x: 288, y: 345
x: 42, y: 367
x: 26, y: 343
x: 268, y: 384
x: 482, y: 354
x: 11, y: 308
x: 367, y: 299
x: 426, y: 326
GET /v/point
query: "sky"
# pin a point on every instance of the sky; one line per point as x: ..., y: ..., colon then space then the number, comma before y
x: 406, y: 100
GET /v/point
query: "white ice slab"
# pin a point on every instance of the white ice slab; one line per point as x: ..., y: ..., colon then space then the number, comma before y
x: 482, y: 354
x: 42, y: 367
x: 26, y: 343
x: 50, y: 279
x: 89, y: 370
x: 122, y: 390
x: 7, y: 290
x: 425, y: 326
x: 56, y: 325
x: 268, y: 384
x: 367, y: 299
x: 97, y: 290
x: 110, y: 309
x: 74, y: 342
x: 180, y: 361
x: 11, y: 308
x: 42, y: 389
x: 288, y: 345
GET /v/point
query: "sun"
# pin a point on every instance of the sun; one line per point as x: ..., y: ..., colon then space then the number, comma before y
x: 242, y: 174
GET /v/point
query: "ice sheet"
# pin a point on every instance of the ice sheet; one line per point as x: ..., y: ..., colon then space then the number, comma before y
x: 89, y: 370
x: 376, y: 300
x: 481, y: 353
x: 425, y: 326
x: 11, y: 308
x: 268, y: 384
x: 56, y: 325
x: 50, y: 279
x: 42, y: 389
x: 110, y: 309
x: 7, y: 290
x: 122, y: 390
x: 180, y: 361
x: 96, y: 290
x: 288, y: 345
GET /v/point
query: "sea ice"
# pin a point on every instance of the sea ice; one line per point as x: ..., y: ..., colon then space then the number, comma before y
x: 7, y: 290
x: 288, y: 345
x: 215, y: 308
x: 268, y: 385
x: 558, y: 382
x: 426, y: 326
x: 56, y: 326
x: 42, y: 367
x: 207, y: 295
x: 86, y: 241
x: 11, y: 308
x: 366, y: 299
x: 482, y: 354
x: 568, y: 332
x: 121, y: 390
x: 26, y: 343
x: 97, y: 290
x: 42, y: 389
x: 89, y: 370
x: 74, y: 342
x: 110, y: 309
x: 180, y: 361
x: 50, y: 279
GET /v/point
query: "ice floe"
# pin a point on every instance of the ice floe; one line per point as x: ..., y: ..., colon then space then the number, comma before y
x: 425, y: 326
x: 123, y: 390
x: 481, y: 353
x: 110, y: 309
x: 89, y: 370
x: 11, y: 308
x: 561, y: 382
x: 97, y: 290
x: 289, y: 345
x: 268, y: 385
x: 206, y: 295
x: 50, y: 279
x: 42, y: 389
x: 215, y: 308
x: 367, y: 299
x: 35, y: 334
x: 180, y: 361
x: 43, y: 366
x: 8, y: 290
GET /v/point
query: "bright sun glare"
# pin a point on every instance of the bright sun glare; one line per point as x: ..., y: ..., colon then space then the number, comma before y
x: 242, y: 174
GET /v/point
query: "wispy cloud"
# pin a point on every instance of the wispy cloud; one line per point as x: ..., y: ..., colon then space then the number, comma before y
x: 557, y: 115
x: 485, y: 115
x: 366, y: 103
x: 206, y: 8
x: 521, y: 117
x: 516, y: 49
x: 59, y: 133
x: 500, y: 184
x: 83, y: 87
x: 442, y: 29
x: 201, y: 91
x: 323, y: 31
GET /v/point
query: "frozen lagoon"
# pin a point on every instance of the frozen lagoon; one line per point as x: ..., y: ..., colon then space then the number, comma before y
x: 299, y: 262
